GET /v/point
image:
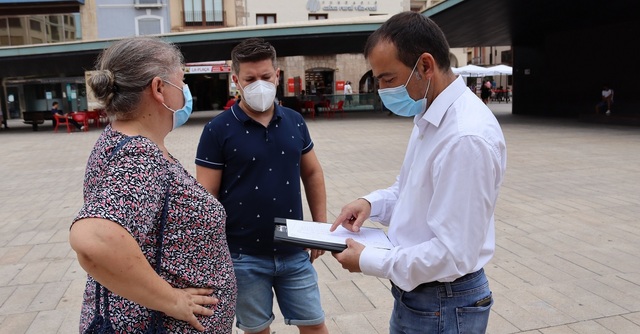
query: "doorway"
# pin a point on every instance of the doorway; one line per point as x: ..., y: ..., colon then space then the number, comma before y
x: 319, y: 81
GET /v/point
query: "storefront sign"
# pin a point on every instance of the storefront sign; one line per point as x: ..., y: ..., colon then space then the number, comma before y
x: 339, y: 86
x: 356, y: 8
x: 207, y: 69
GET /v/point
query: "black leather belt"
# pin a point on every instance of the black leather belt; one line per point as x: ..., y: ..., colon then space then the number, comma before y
x: 438, y: 283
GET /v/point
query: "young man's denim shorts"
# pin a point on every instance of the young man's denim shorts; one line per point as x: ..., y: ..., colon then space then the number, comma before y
x: 294, y: 281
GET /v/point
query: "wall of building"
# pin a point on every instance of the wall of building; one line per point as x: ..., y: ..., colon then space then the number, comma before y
x: 117, y: 18
x: 88, y: 18
x: 294, y: 11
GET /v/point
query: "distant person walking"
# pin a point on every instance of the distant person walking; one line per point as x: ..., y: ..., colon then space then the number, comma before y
x: 348, y: 92
x: 606, y: 100
x: 485, y: 92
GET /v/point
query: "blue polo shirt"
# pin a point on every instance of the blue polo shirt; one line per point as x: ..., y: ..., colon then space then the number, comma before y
x: 260, y: 174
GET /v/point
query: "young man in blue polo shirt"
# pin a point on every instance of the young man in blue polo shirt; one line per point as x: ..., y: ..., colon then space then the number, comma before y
x: 252, y: 158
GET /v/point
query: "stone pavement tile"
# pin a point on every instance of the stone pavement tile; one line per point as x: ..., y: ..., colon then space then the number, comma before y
x: 589, y: 327
x: 618, y: 324
x: 537, y: 307
x: 354, y: 323
x: 18, y: 323
x: 515, y: 248
x: 376, y: 290
x: 615, y: 289
x: 9, y: 271
x: 38, y: 252
x: 503, y: 277
x: 500, y: 325
x: 594, y: 305
x: 350, y: 296
x: 527, y: 275
x: 331, y: 303
x: 29, y: 274
x: 572, y: 308
x: 47, y: 322
x: 71, y: 322
x: 48, y: 297
x: 564, y: 329
x: 5, y: 293
x: 22, y: 238
x: 379, y: 319
x: 55, y: 271
x: 20, y: 299
x: 559, y: 261
x: 633, y: 317
x: 550, y: 272
x: 518, y: 316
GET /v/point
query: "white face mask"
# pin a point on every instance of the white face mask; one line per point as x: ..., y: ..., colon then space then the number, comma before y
x: 259, y: 95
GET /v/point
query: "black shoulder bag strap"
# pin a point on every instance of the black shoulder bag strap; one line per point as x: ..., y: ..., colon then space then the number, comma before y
x: 102, y: 324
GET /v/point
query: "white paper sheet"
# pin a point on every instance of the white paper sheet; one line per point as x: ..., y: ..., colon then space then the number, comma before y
x: 370, y: 237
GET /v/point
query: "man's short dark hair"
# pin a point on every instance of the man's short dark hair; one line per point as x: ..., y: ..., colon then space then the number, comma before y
x: 412, y: 34
x: 55, y: 103
x: 252, y: 50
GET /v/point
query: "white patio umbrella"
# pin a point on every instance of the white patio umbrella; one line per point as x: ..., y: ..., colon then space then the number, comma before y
x: 471, y: 71
x: 500, y: 69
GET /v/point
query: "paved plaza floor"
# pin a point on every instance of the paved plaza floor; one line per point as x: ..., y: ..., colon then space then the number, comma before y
x: 568, y: 233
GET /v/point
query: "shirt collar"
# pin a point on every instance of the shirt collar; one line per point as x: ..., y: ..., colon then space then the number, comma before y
x: 242, y: 117
x: 440, y: 105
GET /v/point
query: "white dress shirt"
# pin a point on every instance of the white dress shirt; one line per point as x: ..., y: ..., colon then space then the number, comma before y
x: 440, y: 209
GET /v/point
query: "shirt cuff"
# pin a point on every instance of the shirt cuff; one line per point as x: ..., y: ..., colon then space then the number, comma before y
x: 375, y: 200
x: 371, y: 261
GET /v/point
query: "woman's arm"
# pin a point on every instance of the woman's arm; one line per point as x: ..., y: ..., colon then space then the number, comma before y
x: 108, y: 253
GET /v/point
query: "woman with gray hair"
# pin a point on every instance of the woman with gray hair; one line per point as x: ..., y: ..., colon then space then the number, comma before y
x: 150, y: 237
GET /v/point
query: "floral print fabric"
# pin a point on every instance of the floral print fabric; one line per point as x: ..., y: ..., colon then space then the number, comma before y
x: 128, y: 188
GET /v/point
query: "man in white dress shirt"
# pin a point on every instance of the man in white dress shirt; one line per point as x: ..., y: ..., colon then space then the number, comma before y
x: 440, y: 209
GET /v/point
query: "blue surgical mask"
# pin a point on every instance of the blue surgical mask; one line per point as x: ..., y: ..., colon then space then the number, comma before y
x: 397, y: 99
x: 181, y: 115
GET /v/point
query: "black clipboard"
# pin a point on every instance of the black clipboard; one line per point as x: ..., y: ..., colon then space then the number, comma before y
x: 280, y: 234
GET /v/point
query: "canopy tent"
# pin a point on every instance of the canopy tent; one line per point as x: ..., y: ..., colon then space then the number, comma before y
x: 471, y: 71
x: 500, y: 69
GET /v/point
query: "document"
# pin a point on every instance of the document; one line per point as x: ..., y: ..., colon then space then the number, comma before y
x: 317, y: 235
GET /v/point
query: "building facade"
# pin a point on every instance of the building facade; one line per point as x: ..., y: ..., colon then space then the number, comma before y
x: 27, y: 22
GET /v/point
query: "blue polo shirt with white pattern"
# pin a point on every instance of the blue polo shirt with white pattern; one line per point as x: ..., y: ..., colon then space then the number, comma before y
x: 260, y: 174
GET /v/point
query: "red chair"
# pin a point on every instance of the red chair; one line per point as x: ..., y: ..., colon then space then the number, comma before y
x: 325, y: 108
x: 94, y: 117
x: 81, y: 118
x: 61, y: 119
x: 309, y: 107
x: 337, y: 108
